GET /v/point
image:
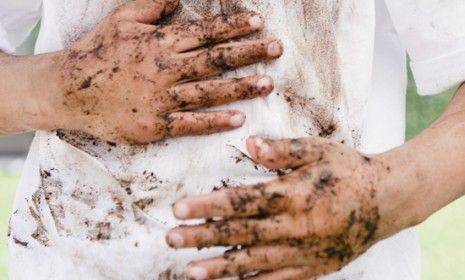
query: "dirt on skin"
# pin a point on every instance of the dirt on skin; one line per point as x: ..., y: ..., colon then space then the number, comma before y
x: 341, y: 240
x: 322, y: 16
x: 361, y: 224
x: 85, y: 76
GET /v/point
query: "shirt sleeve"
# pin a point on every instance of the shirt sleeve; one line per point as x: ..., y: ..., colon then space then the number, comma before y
x: 433, y: 31
x: 17, y: 19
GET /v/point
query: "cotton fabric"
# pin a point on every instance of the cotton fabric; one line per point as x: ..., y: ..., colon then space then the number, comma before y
x: 87, y: 209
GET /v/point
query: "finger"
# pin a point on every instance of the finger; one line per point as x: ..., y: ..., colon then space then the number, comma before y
x: 266, y: 258
x: 238, y: 202
x: 225, y: 57
x: 245, y: 261
x: 194, y: 34
x: 192, y: 123
x: 218, y: 92
x: 294, y: 192
x: 241, y: 232
x: 288, y: 153
x: 289, y: 273
x: 146, y: 11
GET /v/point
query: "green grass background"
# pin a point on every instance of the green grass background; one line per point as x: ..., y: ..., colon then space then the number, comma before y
x: 442, y: 236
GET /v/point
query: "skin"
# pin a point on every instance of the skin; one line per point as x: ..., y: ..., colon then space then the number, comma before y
x: 132, y: 81
x: 331, y: 206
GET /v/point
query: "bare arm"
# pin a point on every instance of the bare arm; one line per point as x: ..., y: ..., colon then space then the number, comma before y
x: 333, y: 206
x: 429, y: 170
x: 25, y: 88
x: 132, y: 81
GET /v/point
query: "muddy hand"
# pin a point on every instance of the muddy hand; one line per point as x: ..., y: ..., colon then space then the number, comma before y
x: 133, y: 81
x: 324, y: 213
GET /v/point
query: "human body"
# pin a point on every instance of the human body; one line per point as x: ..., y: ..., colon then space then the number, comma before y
x: 107, y: 208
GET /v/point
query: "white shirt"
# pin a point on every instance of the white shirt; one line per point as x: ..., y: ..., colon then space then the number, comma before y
x: 86, y: 209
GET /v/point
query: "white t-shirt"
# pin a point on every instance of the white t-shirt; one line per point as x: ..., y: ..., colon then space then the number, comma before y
x: 86, y: 209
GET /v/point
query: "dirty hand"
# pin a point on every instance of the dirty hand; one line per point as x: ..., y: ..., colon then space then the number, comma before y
x: 312, y: 221
x: 132, y: 81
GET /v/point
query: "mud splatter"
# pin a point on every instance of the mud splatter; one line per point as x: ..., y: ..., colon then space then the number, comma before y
x: 20, y: 242
x: 144, y: 203
x: 171, y: 274
x: 101, y: 231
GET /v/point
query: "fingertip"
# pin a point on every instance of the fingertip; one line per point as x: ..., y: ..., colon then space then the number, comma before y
x: 275, y: 48
x: 262, y: 147
x: 174, y: 239
x: 237, y: 119
x: 250, y: 143
x: 265, y: 85
x: 196, y: 272
x: 256, y: 22
x: 257, y: 147
x: 181, y: 210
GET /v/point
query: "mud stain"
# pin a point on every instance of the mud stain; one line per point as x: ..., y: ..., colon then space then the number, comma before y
x: 171, y: 274
x: 20, y: 242
x: 320, y: 50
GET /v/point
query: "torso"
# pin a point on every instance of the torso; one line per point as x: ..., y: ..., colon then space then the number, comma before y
x: 101, y: 210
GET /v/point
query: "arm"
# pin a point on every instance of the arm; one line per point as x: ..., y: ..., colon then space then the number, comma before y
x: 429, y: 170
x: 17, y: 20
x: 130, y: 81
x: 26, y: 86
x: 333, y: 206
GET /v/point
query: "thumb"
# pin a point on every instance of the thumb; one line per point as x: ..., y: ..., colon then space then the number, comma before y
x: 287, y: 153
x: 146, y: 11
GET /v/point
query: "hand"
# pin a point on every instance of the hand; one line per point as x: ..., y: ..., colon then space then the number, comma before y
x: 131, y: 81
x: 312, y: 221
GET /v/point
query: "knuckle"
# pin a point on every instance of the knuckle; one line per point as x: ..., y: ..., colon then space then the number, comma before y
x: 221, y: 58
x: 205, y: 29
x: 144, y: 124
x: 165, y: 63
x: 296, y: 149
x: 168, y: 125
x: 120, y: 26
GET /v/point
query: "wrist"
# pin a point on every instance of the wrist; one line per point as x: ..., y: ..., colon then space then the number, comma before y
x: 400, y: 191
x: 43, y: 110
x: 28, y: 86
x: 426, y: 173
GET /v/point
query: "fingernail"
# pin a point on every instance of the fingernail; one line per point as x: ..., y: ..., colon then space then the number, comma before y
x: 251, y: 147
x: 237, y: 120
x: 175, y: 240
x: 264, y: 84
x: 262, y: 147
x: 181, y: 210
x: 275, y: 49
x: 256, y: 22
x: 197, y: 272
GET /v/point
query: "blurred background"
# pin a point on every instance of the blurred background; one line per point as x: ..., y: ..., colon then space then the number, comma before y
x: 442, y: 236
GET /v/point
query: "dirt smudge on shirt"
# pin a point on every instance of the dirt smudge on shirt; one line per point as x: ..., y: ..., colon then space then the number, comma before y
x: 171, y: 274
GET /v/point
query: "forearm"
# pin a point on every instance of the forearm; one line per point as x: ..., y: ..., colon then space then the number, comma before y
x: 428, y: 172
x: 26, y: 90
